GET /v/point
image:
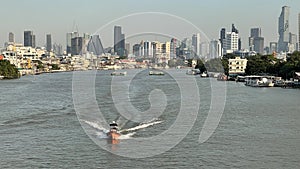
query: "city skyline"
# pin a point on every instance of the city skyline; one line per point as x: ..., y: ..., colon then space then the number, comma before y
x: 60, y: 21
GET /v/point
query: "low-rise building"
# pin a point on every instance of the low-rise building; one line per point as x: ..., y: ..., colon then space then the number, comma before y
x: 237, y: 66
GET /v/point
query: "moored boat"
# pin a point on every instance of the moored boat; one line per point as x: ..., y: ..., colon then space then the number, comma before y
x: 259, y: 81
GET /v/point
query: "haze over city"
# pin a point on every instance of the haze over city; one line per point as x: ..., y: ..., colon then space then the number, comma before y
x: 59, y: 17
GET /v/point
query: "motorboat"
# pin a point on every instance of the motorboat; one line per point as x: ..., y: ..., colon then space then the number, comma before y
x: 113, y: 133
x: 156, y: 73
x: 118, y: 73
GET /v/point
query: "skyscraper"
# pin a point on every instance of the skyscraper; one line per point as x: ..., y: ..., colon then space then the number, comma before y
x: 95, y: 45
x: 196, y: 43
x: 11, y: 37
x: 127, y: 48
x: 233, y: 29
x: 76, y: 45
x: 48, y: 42
x: 28, y: 38
x: 292, y: 43
x: 255, y: 32
x: 119, y: 41
x: 33, y: 41
x: 70, y: 36
x: 256, y: 42
x: 231, y: 43
x: 283, y: 29
x: 215, y: 49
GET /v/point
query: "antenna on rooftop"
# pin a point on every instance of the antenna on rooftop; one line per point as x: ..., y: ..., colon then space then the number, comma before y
x: 74, y: 27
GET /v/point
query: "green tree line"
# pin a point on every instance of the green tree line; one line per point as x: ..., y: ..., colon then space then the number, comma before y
x: 256, y: 65
x: 9, y: 71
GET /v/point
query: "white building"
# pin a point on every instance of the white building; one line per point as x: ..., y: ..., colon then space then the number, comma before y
x: 231, y: 42
x: 237, y: 65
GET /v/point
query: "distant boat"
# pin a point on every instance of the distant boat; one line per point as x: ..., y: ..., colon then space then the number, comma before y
x: 259, y: 81
x: 113, y: 133
x: 1, y: 77
x: 193, y: 72
x: 222, y: 77
x: 204, y: 75
x: 118, y: 73
x: 156, y: 73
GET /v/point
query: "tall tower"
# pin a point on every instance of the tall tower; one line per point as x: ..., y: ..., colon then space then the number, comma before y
x: 231, y: 43
x: 11, y: 37
x: 95, y: 45
x: 119, y: 41
x: 196, y: 43
x: 28, y: 35
x: 256, y: 42
x: 48, y: 42
x: 70, y: 36
x: 283, y: 29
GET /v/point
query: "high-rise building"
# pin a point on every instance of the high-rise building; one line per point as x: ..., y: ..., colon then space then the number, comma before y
x: 255, y: 32
x: 127, y: 48
x: 231, y: 43
x: 233, y: 29
x: 292, y: 43
x: 70, y: 36
x: 95, y: 45
x: 204, y: 49
x: 136, y: 49
x: 119, y: 41
x: 173, y: 47
x: 33, y: 41
x: 256, y: 42
x: 11, y: 37
x: 58, y: 49
x: 283, y: 29
x: 215, y: 49
x: 48, y: 42
x: 77, y: 45
x: 29, y: 39
x: 196, y: 44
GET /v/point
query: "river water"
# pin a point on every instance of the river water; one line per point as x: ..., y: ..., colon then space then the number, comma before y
x: 39, y: 128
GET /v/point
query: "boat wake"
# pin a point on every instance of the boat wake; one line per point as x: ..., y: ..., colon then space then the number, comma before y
x: 101, y: 132
x: 142, y: 126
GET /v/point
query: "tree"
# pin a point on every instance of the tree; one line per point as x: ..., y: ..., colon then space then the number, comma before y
x: 8, y: 70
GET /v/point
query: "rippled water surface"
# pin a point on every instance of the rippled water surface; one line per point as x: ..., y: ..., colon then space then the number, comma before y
x: 260, y: 127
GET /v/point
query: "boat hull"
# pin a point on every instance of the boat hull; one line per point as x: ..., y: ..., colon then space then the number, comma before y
x: 113, y: 135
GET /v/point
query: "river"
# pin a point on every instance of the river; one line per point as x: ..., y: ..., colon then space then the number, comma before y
x: 39, y: 127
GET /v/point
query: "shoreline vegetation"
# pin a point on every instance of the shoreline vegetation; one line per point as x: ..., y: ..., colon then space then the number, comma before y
x: 8, y: 71
x: 256, y: 65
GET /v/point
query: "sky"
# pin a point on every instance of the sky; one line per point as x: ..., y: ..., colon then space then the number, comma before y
x: 141, y: 19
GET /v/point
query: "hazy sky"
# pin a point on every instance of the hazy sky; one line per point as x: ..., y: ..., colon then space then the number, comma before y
x: 58, y: 17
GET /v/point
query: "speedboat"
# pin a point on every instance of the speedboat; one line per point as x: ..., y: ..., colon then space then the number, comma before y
x: 113, y: 131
